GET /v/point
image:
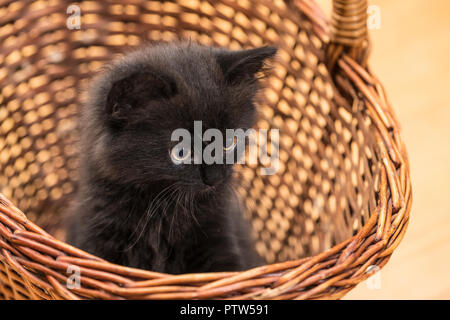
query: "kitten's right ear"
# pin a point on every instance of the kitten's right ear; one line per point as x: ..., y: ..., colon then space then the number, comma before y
x: 135, y: 91
x: 242, y: 65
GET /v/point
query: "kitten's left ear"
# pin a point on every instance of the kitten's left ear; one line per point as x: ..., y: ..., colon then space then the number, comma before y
x: 242, y: 65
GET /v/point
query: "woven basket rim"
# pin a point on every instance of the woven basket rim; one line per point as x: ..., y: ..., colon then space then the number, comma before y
x: 332, y: 273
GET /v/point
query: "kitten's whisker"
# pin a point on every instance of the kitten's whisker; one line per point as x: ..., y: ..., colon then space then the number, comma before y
x: 178, y: 194
x: 191, y: 208
x: 151, y: 209
x: 173, y: 218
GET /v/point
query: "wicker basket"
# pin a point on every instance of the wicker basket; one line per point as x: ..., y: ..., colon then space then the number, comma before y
x: 338, y: 206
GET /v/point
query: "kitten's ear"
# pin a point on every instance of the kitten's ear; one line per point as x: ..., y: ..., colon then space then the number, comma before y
x: 135, y: 91
x: 239, y: 66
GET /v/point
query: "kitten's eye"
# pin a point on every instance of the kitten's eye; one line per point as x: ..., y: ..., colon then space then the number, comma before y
x: 230, y: 144
x: 179, y: 154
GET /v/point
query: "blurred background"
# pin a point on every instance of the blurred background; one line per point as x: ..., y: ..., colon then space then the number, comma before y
x: 411, y: 56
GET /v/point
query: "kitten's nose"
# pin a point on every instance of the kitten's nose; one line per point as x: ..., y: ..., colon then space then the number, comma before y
x: 212, y: 174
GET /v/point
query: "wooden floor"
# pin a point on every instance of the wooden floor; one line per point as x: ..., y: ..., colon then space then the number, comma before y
x: 411, y: 55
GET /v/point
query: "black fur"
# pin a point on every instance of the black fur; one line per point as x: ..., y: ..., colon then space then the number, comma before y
x: 137, y: 208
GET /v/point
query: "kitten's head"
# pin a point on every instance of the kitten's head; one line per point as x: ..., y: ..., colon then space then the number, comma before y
x: 136, y: 105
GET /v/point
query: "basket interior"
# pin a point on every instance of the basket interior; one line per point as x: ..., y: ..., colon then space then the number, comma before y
x: 326, y: 184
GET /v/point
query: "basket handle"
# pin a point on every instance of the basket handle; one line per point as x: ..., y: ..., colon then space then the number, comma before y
x: 348, y: 30
x: 349, y: 22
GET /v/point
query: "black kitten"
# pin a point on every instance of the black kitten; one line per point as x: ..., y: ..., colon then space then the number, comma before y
x: 135, y: 206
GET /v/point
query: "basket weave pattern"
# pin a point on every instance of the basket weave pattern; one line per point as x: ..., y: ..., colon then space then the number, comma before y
x: 338, y: 205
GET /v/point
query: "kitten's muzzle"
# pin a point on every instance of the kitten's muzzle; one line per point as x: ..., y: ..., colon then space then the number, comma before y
x: 212, y: 174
